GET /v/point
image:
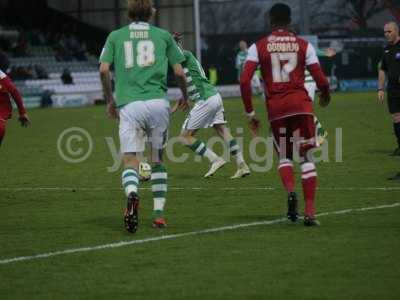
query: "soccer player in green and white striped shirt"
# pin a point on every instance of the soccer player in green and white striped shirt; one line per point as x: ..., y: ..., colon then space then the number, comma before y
x: 208, y: 111
x: 311, y: 86
x: 240, y: 59
x: 141, y: 54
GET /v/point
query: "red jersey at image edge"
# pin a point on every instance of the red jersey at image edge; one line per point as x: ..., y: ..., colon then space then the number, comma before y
x: 8, y: 90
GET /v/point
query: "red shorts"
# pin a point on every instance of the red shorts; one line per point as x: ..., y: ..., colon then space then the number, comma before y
x: 294, y: 134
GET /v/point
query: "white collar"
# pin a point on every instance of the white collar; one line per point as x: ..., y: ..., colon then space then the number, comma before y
x: 139, y: 26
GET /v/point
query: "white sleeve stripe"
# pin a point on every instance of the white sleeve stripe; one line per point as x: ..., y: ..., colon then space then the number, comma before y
x: 252, y: 54
x: 311, y: 56
x: 252, y: 59
x: 2, y: 74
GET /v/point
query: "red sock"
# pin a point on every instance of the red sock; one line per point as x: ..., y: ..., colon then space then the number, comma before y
x: 287, y: 175
x: 309, y: 182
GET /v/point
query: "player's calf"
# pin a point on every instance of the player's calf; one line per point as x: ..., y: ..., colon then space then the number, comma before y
x: 309, y: 183
x: 200, y: 148
x: 234, y: 150
x: 130, y: 183
x: 187, y: 138
x: 159, y: 188
x: 286, y: 173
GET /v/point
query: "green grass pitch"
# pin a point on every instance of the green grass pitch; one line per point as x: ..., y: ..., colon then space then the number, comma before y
x: 49, y: 205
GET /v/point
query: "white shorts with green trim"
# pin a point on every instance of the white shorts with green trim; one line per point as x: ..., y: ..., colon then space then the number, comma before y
x: 205, y: 114
x: 144, y: 121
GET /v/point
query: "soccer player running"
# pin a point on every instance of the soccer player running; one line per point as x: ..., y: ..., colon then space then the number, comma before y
x: 283, y: 58
x: 311, y: 86
x: 141, y: 53
x: 8, y: 91
x: 208, y: 111
x: 240, y: 59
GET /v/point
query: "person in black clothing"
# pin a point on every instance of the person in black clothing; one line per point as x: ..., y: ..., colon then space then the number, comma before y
x: 390, y: 68
x: 4, y: 60
x: 66, y: 77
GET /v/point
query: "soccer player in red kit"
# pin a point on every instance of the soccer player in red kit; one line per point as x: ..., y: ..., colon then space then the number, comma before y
x: 283, y: 57
x: 7, y: 89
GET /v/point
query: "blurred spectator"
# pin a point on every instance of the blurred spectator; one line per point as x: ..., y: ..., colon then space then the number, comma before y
x: 46, y: 100
x: 30, y: 72
x: 21, y: 73
x: 80, y: 55
x: 71, y: 43
x: 66, y: 77
x: 4, y: 61
x: 41, y: 72
x: 62, y: 53
x: 36, y: 38
x: 5, y: 44
x: 21, y: 46
x: 77, y: 50
x: 68, y: 48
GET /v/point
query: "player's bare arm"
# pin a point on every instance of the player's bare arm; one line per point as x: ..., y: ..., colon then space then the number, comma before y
x: 246, y: 92
x: 105, y: 76
x: 253, y: 123
x: 381, y: 86
x: 16, y: 96
x: 181, y: 81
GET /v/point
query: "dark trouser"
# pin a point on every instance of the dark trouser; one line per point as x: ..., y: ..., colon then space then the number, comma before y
x: 393, y: 101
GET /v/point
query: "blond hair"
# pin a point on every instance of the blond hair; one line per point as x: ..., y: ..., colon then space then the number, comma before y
x: 140, y: 10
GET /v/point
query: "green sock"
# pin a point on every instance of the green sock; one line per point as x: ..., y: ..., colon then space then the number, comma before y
x: 159, y: 178
x: 158, y: 214
x: 235, y: 151
x: 201, y: 149
x: 130, y: 181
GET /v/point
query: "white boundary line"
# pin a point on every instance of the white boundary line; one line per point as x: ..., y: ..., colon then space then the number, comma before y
x: 180, y: 235
x: 266, y: 188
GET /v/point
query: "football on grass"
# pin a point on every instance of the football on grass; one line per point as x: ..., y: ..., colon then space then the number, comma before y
x: 144, y: 171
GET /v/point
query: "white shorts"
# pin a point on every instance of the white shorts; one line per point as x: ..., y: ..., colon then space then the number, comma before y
x: 142, y: 121
x: 311, y: 87
x: 205, y: 114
